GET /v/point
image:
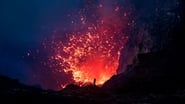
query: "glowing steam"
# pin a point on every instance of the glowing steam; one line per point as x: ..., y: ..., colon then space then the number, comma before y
x: 93, y: 52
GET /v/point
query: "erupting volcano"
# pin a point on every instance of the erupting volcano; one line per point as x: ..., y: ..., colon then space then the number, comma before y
x: 92, y: 52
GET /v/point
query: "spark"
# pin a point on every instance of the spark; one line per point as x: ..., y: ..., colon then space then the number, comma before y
x: 91, y: 55
x: 94, y: 52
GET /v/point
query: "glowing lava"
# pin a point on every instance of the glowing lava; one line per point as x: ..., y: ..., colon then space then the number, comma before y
x: 94, y: 52
x: 91, y: 55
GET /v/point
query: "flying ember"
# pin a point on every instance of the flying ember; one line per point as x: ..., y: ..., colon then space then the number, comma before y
x: 92, y: 53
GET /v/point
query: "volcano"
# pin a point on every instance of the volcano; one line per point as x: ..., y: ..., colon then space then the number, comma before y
x: 108, y: 52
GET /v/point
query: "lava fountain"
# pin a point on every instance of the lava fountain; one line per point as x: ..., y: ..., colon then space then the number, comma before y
x: 94, y: 52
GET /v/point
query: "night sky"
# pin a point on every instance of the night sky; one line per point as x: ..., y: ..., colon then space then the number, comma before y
x: 26, y: 24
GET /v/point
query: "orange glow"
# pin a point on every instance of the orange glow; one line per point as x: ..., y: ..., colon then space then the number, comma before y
x: 91, y: 55
x: 93, y: 51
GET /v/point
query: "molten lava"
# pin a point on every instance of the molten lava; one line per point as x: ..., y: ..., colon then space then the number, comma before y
x: 91, y: 55
x: 94, y: 52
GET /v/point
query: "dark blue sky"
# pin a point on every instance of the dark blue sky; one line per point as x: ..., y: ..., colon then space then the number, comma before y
x: 23, y: 25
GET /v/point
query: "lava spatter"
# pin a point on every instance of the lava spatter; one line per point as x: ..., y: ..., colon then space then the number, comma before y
x: 94, y: 52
